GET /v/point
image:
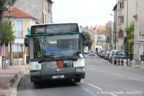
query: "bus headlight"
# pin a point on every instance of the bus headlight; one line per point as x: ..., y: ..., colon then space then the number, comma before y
x: 80, y: 69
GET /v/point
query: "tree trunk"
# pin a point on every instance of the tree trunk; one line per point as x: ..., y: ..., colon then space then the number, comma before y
x: 11, y: 63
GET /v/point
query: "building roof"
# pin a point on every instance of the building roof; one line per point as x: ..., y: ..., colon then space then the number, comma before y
x: 17, y: 13
x: 115, y: 7
x: 50, y: 1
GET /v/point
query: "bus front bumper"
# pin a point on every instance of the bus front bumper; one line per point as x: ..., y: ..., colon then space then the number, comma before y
x: 57, y: 74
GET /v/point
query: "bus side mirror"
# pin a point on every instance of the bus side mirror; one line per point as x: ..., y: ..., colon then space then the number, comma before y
x: 26, y: 42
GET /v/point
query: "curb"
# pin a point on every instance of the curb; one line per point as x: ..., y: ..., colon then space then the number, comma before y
x: 17, y: 82
x: 15, y: 85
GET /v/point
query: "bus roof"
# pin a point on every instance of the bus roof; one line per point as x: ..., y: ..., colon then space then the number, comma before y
x: 54, y: 29
x: 52, y: 24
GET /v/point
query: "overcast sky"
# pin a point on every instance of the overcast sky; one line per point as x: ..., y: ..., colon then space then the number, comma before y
x: 84, y: 12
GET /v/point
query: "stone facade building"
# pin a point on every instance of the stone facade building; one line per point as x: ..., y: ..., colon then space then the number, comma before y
x: 41, y: 9
x: 124, y: 11
x: 139, y: 30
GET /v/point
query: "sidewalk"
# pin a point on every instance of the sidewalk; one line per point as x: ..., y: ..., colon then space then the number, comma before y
x: 8, y: 77
x: 138, y: 65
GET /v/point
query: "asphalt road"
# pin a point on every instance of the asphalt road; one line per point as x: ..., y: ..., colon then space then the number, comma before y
x: 102, y: 79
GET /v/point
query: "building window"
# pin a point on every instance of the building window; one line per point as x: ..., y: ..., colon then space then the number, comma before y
x: 121, y: 19
x: 19, y: 29
x: 121, y: 34
x: 121, y: 5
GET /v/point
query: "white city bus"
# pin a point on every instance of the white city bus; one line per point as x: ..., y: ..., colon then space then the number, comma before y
x: 56, y: 52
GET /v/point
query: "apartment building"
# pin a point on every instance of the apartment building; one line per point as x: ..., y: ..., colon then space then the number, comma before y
x: 41, y: 9
x: 109, y: 38
x: 100, y: 35
x: 124, y: 11
x: 139, y: 30
x: 88, y: 30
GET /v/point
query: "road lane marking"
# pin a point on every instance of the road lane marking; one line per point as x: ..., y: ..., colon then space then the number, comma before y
x: 96, y: 87
x: 113, y: 94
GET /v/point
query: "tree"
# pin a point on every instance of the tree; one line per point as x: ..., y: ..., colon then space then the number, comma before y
x: 7, y: 32
x: 4, y: 24
x: 87, y: 40
x: 130, y: 32
x: 4, y: 4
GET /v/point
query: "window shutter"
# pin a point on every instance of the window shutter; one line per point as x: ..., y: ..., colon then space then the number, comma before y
x: 123, y: 4
x: 121, y: 34
x: 122, y: 19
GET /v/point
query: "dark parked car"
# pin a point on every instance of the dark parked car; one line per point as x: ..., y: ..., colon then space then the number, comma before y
x: 112, y: 52
x: 119, y: 55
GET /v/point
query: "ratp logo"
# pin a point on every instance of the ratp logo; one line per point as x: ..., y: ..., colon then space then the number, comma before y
x: 37, y: 66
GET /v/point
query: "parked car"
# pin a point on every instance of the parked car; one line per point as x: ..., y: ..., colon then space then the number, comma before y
x: 92, y: 53
x: 103, y: 53
x: 119, y: 55
x: 86, y: 50
x: 112, y: 54
x: 107, y: 55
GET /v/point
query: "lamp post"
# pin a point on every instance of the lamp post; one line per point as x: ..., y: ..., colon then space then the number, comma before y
x: 11, y: 63
x: 127, y: 32
x: 114, y: 32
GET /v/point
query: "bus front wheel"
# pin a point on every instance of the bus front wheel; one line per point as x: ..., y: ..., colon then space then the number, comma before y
x: 78, y: 80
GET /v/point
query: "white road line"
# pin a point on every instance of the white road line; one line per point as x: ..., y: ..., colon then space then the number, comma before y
x: 96, y: 87
x: 113, y: 94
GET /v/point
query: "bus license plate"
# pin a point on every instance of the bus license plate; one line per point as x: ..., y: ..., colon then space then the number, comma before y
x: 58, y: 76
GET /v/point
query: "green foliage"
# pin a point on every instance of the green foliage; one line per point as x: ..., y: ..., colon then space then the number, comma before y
x: 130, y: 32
x: 6, y: 32
x: 87, y: 40
x: 3, y: 4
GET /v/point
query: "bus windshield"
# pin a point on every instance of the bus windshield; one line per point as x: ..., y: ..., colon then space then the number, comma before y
x: 63, y: 45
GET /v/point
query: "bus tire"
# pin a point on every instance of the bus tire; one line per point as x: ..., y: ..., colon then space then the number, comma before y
x: 78, y: 80
x: 35, y: 83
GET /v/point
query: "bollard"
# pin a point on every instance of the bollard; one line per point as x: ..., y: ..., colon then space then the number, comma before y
x: 117, y: 61
x: 133, y: 63
x: 112, y: 60
x: 125, y: 62
x: 129, y: 62
x: 120, y: 61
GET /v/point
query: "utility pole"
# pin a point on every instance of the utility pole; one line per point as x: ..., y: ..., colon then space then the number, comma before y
x: 11, y: 63
x: 127, y: 32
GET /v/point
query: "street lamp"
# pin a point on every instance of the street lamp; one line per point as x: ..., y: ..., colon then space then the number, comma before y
x: 114, y: 31
x: 127, y: 32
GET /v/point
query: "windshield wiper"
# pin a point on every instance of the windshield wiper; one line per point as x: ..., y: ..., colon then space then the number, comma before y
x: 46, y: 57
